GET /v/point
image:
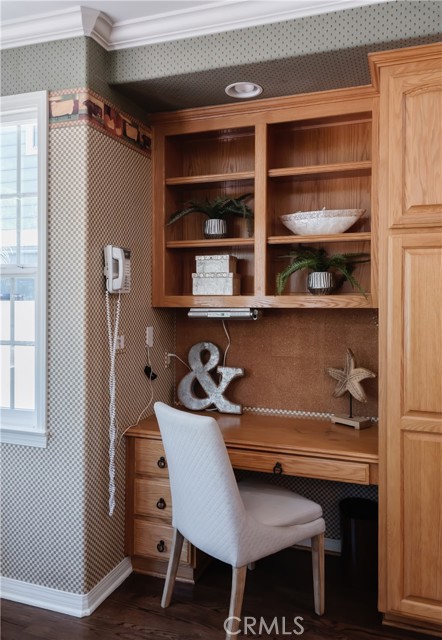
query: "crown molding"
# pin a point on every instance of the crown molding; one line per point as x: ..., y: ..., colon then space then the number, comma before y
x: 57, y: 25
x: 225, y: 15
x: 220, y: 17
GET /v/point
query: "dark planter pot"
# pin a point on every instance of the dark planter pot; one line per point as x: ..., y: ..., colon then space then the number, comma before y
x: 215, y: 228
x: 321, y: 283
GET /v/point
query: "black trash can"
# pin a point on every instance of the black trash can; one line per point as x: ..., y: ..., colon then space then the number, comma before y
x: 359, y: 533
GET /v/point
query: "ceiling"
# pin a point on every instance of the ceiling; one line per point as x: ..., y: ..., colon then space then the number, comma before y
x: 116, y: 10
x: 122, y: 11
x: 167, y: 55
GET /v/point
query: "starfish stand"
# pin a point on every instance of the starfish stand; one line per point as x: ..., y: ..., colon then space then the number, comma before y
x: 352, y: 421
x: 349, y: 380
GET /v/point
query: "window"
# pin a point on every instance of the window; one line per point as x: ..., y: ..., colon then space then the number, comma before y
x: 23, y: 204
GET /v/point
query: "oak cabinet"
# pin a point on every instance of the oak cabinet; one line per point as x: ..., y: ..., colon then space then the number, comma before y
x: 410, y: 362
x: 412, y: 152
x: 300, y: 153
x: 379, y: 149
x: 149, y: 513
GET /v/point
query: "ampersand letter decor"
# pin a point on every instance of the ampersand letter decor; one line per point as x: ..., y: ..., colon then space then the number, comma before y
x: 200, y: 371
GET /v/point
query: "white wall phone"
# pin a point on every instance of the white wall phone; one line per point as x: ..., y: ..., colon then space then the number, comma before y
x: 117, y: 269
x: 117, y: 272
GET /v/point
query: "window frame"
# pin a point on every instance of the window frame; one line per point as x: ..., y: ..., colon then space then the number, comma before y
x: 13, y: 431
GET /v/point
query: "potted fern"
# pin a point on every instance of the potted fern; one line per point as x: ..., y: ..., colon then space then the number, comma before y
x: 217, y: 210
x: 323, y: 269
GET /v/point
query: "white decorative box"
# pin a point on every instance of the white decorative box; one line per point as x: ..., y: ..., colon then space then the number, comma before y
x: 215, y: 284
x: 215, y: 264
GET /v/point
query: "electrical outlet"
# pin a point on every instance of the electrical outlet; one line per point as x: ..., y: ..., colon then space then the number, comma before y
x: 166, y: 360
x: 149, y: 337
x: 120, y: 343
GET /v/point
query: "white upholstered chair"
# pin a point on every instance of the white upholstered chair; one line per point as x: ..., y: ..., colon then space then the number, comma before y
x: 235, y: 523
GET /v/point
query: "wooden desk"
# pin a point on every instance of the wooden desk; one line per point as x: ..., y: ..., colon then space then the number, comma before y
x: 292, y: 446
x: 302, y: 446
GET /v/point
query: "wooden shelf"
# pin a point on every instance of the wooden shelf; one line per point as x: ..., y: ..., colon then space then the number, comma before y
x: 322, y: 169
x: 211, y: 301
x: 308, y: 301
x: 318, y: 152
x: 336, y: 237
x: 207, y: 179
x: 206, y: 244
x: 293, y: 301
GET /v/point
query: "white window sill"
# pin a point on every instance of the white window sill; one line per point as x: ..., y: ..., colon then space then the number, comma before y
x: 27, y: 438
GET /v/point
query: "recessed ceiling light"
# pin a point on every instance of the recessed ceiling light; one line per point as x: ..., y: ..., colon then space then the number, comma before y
x: 243, y: 90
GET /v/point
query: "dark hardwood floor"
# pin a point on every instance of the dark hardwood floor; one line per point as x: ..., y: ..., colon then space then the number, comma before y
x: 279, y: 587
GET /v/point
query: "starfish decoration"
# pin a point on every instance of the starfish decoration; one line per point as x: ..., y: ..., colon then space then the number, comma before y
x: 349, y: 378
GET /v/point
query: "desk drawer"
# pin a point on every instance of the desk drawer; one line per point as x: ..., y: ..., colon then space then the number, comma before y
x: 150, y: 537
x: 324, y: 469
x: 152, y: 498
x: 150, y: 458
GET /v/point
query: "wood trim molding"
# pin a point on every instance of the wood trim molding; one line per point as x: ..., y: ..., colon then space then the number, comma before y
x: 278, y: 103
x: 401, y: 56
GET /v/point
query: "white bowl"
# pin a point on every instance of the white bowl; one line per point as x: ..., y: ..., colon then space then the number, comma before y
x: 326, y: 221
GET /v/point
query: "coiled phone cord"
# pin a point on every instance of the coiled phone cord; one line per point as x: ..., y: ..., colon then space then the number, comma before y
x: 112, y: 338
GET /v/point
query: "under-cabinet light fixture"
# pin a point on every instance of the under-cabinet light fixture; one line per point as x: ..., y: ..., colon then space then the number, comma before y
x: 225, y: 314
x: 243, y: 90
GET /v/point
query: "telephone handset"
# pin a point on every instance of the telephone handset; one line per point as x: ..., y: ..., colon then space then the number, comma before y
x: 117, y: 272
x: 117, y: 269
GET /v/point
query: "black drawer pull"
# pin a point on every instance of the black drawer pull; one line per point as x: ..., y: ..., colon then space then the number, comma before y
x: 161, y: 546
x: 161, y: 504
x: 161, y: 462
x: 277, y: 469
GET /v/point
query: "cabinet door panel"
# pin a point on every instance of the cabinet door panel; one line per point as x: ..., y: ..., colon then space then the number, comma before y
x: 422, y: 131
x: 413, y: 458
x: 411, y: 117
x: 422, y: 515
x: 422, y: 331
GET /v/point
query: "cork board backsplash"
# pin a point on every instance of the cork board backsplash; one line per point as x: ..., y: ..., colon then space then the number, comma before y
x: 285, y: 355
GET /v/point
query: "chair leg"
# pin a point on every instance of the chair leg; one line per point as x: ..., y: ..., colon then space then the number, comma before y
x: 236, y: 597
x: 172, y: 567
x: 318, y: 573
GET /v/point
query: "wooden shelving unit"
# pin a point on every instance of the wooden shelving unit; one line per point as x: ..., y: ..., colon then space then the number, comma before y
x: 297, y: 154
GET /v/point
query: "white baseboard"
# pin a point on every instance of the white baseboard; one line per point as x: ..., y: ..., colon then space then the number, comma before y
x: 72, y: 604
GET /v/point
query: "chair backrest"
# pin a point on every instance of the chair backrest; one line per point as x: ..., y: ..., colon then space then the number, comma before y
x: 206, y: 505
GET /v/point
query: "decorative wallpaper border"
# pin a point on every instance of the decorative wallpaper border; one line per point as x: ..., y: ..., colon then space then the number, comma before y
x: 77, y: 106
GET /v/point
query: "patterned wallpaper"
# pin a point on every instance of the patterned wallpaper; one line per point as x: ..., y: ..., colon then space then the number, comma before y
x: 97, y: 78
x: 49, y: 65
x: 315, y: 53
x: 373, y: 25
x: 75, y: 62
x: 119, y: 212
x: 55, y: 527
